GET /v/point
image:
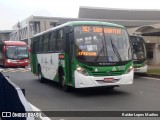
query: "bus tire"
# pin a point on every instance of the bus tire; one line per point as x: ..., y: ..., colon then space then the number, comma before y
x: 110, y: 88
x: 40, y: 78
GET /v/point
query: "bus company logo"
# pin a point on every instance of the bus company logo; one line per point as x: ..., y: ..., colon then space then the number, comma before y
x: 121, y: 67
x: 114, y: 69
x: 96, y: 70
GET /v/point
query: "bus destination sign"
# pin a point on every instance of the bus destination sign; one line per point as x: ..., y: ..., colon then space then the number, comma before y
x: 95, y: 29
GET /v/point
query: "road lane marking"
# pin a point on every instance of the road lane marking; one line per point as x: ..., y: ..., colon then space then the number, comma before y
x: 8, y: 70
x: 36, y: 109
x: 24, y: 70
x: 16, y: 70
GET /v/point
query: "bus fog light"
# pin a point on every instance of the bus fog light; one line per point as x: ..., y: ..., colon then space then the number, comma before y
x: 82, y: 71
x: 79, y: 69
x: 9, y: 61
x: 26, y: 60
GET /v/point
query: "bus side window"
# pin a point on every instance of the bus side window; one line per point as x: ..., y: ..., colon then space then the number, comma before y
x: 40, y: 48
x: 45, y: 42
x: 49, y: 42
x: 59, y: 43
x: 36, y: 44
x: 52, y: 42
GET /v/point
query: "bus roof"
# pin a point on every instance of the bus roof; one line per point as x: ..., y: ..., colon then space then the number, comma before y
x: 77, y: 23
x: 74, y: 23
x: 136, y: 36
x: 14, y: 43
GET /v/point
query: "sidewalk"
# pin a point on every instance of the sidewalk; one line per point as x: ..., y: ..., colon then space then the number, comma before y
x: 151, y: 67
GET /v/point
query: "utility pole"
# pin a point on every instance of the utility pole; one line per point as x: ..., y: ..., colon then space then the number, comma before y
x: 19, y: 26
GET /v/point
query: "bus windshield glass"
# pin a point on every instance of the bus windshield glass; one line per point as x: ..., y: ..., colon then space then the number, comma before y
x: 17, y: 52
x: 102, y: 44
x: 139, y: 48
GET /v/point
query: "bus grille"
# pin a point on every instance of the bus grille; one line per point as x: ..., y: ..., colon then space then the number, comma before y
x: 110, y: 73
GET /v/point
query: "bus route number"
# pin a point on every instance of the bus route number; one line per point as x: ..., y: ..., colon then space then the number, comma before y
x: 86, y: 29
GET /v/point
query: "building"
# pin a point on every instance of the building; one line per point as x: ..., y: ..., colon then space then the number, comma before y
x: 143, y: 22
x: 5, y: 35
x: 32, y: 25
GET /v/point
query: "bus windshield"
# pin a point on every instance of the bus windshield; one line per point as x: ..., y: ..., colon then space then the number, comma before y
x: 102, y: 44
x: 139, y: 48
x: 17, y: 52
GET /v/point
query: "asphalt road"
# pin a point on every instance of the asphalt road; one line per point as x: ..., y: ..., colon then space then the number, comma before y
x: 143, y: 95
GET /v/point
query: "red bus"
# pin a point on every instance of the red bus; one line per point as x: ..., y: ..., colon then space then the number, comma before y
x: 14, y: 54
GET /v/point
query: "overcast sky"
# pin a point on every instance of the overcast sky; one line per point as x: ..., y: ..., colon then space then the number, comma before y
x: 13, y: 11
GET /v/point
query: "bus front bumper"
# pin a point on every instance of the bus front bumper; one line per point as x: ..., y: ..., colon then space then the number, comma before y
x: 141, y: 69
x: 82, y: 81
x: 14, y: 63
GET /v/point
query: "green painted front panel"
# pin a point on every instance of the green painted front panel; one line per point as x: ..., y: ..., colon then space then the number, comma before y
x: 105, y: 70
x: 102, y: 70
x: 67, y: 71
x: 139, y: 65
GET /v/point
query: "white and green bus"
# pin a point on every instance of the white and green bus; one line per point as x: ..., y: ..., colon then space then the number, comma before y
x: 139, y: 54
x: 83, y: 54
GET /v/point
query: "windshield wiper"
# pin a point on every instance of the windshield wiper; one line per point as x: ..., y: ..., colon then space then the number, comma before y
x: 115, y: 50
x: 102, y: 49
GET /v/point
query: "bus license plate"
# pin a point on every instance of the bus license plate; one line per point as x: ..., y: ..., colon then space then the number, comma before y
x: 108, y: 79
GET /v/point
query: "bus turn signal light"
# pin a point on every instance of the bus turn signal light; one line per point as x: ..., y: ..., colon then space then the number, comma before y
x: 61, y: 56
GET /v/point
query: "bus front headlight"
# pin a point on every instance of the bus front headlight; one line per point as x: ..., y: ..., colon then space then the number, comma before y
x: 26, y: 60
x: 82, y: 71
x: 8, y: 61
x: 130, y: 69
